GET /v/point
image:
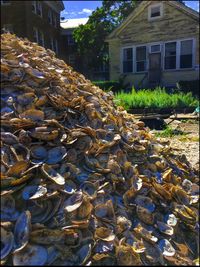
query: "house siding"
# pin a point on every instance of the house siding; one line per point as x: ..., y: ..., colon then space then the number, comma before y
x: 174, y: 25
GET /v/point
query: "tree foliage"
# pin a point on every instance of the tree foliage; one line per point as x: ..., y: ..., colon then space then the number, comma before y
x: 90, y: 38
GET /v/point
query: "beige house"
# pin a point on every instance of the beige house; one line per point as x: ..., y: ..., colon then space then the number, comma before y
x: 158, y: 44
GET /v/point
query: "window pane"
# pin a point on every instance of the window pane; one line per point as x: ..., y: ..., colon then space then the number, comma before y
x: 186, y: 61
x: 141, y: 66
x: 50, y: 16
x: 4, y: 2
x: 170, y: 49
x: 33, y: 7
x: 141, y: 53
x: 186, y: 47
x: 170, y: 62
x: 128, y: 54
x: 155, y: 48
x: 70, y: 40
x: 128, y: 60
x: 155, y: 11
x: 127, y: 66
x: 71, y: 59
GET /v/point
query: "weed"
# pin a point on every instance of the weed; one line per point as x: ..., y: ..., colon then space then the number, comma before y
x: 169, y: 132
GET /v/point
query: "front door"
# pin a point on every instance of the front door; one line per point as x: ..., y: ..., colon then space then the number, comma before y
x: 155, y: 68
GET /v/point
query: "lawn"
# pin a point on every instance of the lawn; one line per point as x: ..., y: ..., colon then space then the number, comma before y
x: 157, y: 98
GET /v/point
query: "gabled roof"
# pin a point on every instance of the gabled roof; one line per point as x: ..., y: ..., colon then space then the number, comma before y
x: 73, y: 23
x: 140, y: 9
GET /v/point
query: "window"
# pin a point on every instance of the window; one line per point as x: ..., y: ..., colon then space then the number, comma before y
x: 186, y: 54
x: 4, y: 2
x: 38, y: 36
x: 33, y: 6
x: 50, y: 16
x: 54, y: 20
x: 155, y: 11
x: 37, y: 7
x: 155, y: 48
x: 141, y: 58
x: 72, y: 59
x: 35, y: 34
x: 70, y: 39
x: 127, y: 60
x: 54, y: 45
x: 102, y: 67
x: 8, y: 28
x: 170, y: 55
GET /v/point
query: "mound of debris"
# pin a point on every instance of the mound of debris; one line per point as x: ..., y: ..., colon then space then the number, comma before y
x: 83, y: 182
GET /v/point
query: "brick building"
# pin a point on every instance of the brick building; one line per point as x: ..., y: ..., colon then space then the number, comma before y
x: 39, y: 21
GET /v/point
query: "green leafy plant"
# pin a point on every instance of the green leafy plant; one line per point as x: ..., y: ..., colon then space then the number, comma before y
x: 157, y: 98
x: 169, y: 132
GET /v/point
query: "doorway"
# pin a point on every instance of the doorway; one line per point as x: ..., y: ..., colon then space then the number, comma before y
x: 154, y: 69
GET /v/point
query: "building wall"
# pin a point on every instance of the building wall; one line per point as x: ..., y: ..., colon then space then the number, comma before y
x: 23, y: 19
x: 174, y: 25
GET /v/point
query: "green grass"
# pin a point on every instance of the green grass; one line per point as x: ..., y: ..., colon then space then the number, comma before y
x: 169, y: 132
x: 157, y: 98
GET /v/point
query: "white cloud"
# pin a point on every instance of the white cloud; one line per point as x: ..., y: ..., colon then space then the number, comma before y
x: 85, y: 11
x: 73, y: 14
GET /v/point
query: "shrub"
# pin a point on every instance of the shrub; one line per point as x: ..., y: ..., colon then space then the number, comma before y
x: 158, y: 98
x: 189, y: 86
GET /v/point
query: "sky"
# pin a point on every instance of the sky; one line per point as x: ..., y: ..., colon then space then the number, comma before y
x: 83, y: 9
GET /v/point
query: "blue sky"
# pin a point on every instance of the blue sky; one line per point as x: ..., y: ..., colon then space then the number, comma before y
x: 83, y: 9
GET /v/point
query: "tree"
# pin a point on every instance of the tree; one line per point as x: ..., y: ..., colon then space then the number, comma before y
x: 90, y: 38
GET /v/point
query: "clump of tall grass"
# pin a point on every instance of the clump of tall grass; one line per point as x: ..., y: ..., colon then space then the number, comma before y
x: 157, y: 98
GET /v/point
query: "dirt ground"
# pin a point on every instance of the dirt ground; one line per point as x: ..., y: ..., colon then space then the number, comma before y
x: 188, y: 143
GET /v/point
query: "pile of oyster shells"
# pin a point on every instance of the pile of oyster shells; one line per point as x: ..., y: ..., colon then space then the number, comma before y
x: 83, y: 182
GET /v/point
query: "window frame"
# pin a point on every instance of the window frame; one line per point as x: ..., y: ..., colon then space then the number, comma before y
x: 36, y: 31
x: 54, y: 20
x: 39, y: 7
x: 162, y: 51
x: 73, y: 61
x: 147, y: 61
x: 68, y: 40
x: 150, y: 50
x: 161, y: 11
x: 34, y: 4
x: 54, y: 44
x: 178, y: 50
x: 193, y: 50
x: 50, y: 16
x: 41, y: 34
x: 122, y: 57
x: 5, y: 4
x: 176, y: 55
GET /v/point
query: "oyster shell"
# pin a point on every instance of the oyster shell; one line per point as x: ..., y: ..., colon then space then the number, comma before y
x: 7, y: 241
x: 22, y: 230
x: 82, y: 181
x: 31, y: 255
